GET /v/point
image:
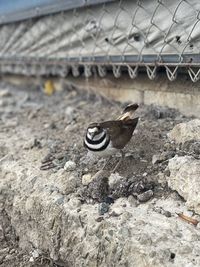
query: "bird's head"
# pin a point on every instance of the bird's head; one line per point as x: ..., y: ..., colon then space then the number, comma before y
x: 93, y: 130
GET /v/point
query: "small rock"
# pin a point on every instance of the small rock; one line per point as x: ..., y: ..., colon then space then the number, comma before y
x: 167, y: 172
x: 129, y: 155
x: 8, y: 230
x: 185, y: 131
x: 31, y: 259
x: 109, y: 200
x: 103, y: 208
x: 132, y: 201
x: 11, y: 122
x: 87, y: 178
x: 166, y: 213
x: 114, y: 180
x: 115, y: 214
x: 70, y: 166
x: 70, y: 114
x: 12, y: 251
x: 54, y: 255
x: 138, y: 187
x: 74, y: 203
x: 161, y: 178
x: 99, y: 188
x: 31, y: 143
x: 46, y: 125
x: 157, y: 159
x: 162, y: 157
x: 144, y: 197
x: 4, y: 251
x: 158, y: 209
x: 60, y: 200
x: 5, y: 93
x: 99, y: 219
x: 71, y: 127
x: 35, y: 254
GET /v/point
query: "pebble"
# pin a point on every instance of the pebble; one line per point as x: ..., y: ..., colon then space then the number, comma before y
x: 166, y: 213
x: 12, y: 251
x: 8, y: 229
x: 139, y: 187
x: 132, y: 201
x: 60, y: 200
x: 157, y: 159
x: 70, y: 166
x: 114, y: 180
x: 115, y: 214
x: 4, y: 251
x: 103, y: 208
x: 87, y: 179
x: 5, y: 93
x: 35, y: 253
x: 167, y: 172
x: 29, y: 144
x: 144, y: 197
x: 54, y: 256
x: 31, y: 259
x: 70, y: 128
x: 70, y: 114
x: 11, y: 122
x: 99, y: 219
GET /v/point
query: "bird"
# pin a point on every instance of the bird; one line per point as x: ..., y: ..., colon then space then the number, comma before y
x: 106, y: 138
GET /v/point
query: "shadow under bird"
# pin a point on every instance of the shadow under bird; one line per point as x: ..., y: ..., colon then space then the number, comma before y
x: 109, y: 137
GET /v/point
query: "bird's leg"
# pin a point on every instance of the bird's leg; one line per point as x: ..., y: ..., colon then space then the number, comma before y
x: 107, y: 161
x: 120, y: 161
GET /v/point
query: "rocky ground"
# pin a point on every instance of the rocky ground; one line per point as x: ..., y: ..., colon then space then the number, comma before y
x: 57, y: 209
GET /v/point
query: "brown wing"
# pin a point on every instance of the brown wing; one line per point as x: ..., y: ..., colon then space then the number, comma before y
x: 114, y: 128
x: 120, y: 131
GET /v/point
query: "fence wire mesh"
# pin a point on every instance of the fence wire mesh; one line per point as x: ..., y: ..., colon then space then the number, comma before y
x: 119, y: 36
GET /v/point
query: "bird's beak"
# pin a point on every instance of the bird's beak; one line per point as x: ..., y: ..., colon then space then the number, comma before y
x: 92, y: 135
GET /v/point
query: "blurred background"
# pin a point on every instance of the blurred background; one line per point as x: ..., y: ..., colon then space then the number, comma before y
x: 107, y: 45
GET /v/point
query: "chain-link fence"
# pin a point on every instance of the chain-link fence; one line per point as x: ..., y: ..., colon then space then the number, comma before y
x: 112, y: 36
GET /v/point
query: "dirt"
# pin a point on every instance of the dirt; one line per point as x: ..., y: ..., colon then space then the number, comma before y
x: 56, y: 125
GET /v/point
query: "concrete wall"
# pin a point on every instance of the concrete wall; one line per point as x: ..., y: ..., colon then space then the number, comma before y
x: 181, y: 94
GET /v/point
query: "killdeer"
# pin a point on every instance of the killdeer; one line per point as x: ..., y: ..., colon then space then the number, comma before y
x: 108, y: 137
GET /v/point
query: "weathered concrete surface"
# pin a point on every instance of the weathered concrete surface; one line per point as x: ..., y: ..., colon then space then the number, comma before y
x: 185, y: 179
x: 71, y: 233
x: 185, y: 170
x: 48, y: 210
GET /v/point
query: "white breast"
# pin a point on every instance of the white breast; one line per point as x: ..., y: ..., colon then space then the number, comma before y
x: 110, y: 150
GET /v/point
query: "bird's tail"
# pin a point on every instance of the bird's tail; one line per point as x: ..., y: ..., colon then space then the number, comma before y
x: 128, y: 112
